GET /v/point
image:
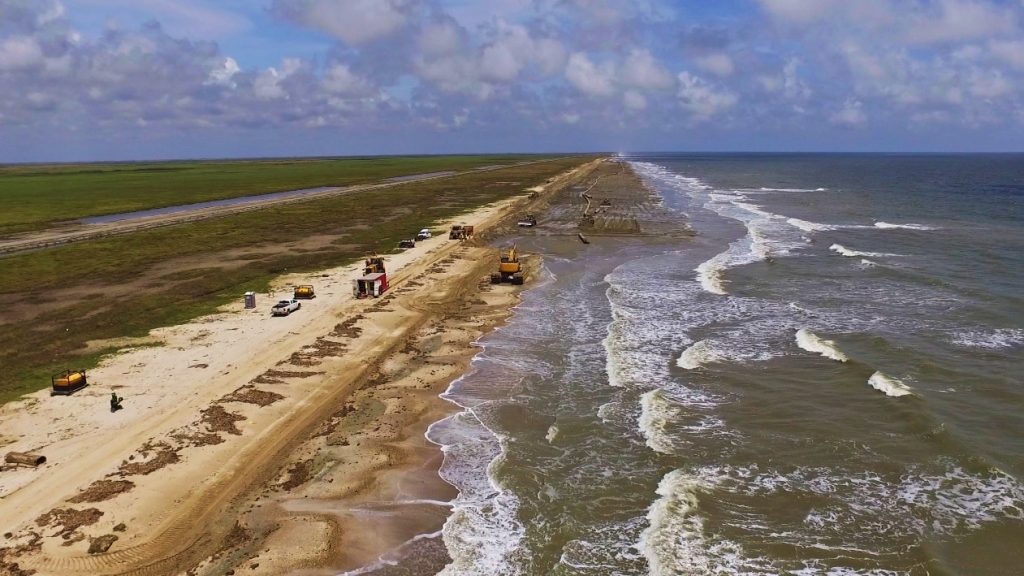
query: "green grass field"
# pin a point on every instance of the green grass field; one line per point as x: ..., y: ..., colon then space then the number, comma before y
x: 35, y: 196
x: 61, y: 298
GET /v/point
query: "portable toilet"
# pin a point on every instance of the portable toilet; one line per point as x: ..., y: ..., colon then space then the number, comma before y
x: 250, y: 300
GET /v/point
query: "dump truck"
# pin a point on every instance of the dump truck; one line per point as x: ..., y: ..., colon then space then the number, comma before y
x: 509, y: 268
x: 68, y: 382
x: 304, y: 292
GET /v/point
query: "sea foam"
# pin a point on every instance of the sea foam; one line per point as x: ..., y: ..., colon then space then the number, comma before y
x: 888, y: 385
x: 991, y: 339
x: 813, y: 343
x: 843, y: 250
x: 888, y: 226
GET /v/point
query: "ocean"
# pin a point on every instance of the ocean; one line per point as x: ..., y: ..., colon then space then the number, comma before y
x: 828, y: 378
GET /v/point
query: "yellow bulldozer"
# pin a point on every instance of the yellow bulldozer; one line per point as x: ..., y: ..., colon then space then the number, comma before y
x: 374, y: 265
x: 509, y: 268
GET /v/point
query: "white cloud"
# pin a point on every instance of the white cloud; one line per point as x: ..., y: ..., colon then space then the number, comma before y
x: 194, y: 18
x: 716, y: 63
x: 267, y: 86
x: 851, y: 115
x: 514, y: 49
x: 339, y: 79
x: 642, y: 70
x: 589, y: 78
x: 20, y: 53
x: 443, y: 37
x: 222, y: 75
x: 355, y: 22
x: 701, y: 99
x: 634, y: 101
x: 959, y: 20
x: 797, y: 11
x: 1010, y: 52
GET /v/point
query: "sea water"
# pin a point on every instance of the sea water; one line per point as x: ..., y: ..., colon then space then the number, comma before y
x: 826, y: 379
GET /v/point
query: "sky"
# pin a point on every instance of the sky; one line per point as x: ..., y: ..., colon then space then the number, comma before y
x: 85, y: 80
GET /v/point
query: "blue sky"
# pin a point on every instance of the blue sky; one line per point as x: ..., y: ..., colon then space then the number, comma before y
x: 135, y: 79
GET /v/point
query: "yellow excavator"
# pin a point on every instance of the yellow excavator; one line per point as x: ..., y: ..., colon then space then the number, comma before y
x: 509, y: 268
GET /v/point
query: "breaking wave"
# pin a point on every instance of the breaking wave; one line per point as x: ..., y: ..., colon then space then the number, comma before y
x: 843, y: 250
x: 888, y: 385
x: 813, y: 343
x: 699, y: 354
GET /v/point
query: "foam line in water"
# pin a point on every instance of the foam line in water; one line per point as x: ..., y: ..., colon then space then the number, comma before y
x: 889, y: 226
x: 809, y: 226
x: 888, y: 385
x: 993, y: 339
x: 843, y: 250
x: 813, y: 343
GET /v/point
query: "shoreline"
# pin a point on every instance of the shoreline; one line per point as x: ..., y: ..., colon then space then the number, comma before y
x: 173, y: 502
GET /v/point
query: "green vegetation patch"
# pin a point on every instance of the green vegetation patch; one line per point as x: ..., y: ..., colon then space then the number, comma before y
x: 36, y: 196
x: 145, y: 290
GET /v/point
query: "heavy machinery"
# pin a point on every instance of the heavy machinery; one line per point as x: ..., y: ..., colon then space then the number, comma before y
x: 374, y: 265
x: 509, y: 268
x: 460, y: 232
x: 68, y: 382
x: 304, y: 292
x: 374, y: 281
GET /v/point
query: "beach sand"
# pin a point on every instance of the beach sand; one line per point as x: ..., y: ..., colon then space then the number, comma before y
x: 242, y: 433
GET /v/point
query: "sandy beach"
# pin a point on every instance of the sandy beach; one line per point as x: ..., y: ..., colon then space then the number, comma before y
x: 243, y: 433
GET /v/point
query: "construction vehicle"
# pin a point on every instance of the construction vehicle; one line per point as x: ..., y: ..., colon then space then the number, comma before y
x: 460, y: 232
x: 304, y: 292
x: 68, y: 382
x: 374, y: 265
x: 528, y: 222
x: 509, y: 268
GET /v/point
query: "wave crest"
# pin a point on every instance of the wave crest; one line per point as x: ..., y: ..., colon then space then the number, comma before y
x: 813, y: 343
x: 888, y: 385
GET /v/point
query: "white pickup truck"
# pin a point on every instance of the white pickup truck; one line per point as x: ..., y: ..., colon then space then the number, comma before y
x: 423, y: 234
x: 285, y: 307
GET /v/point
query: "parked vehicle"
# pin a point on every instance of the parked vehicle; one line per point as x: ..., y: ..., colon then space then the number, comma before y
x: 404, y: 244
x: 285, y: 307
x: 304, y: 292
x: 423, y: 234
